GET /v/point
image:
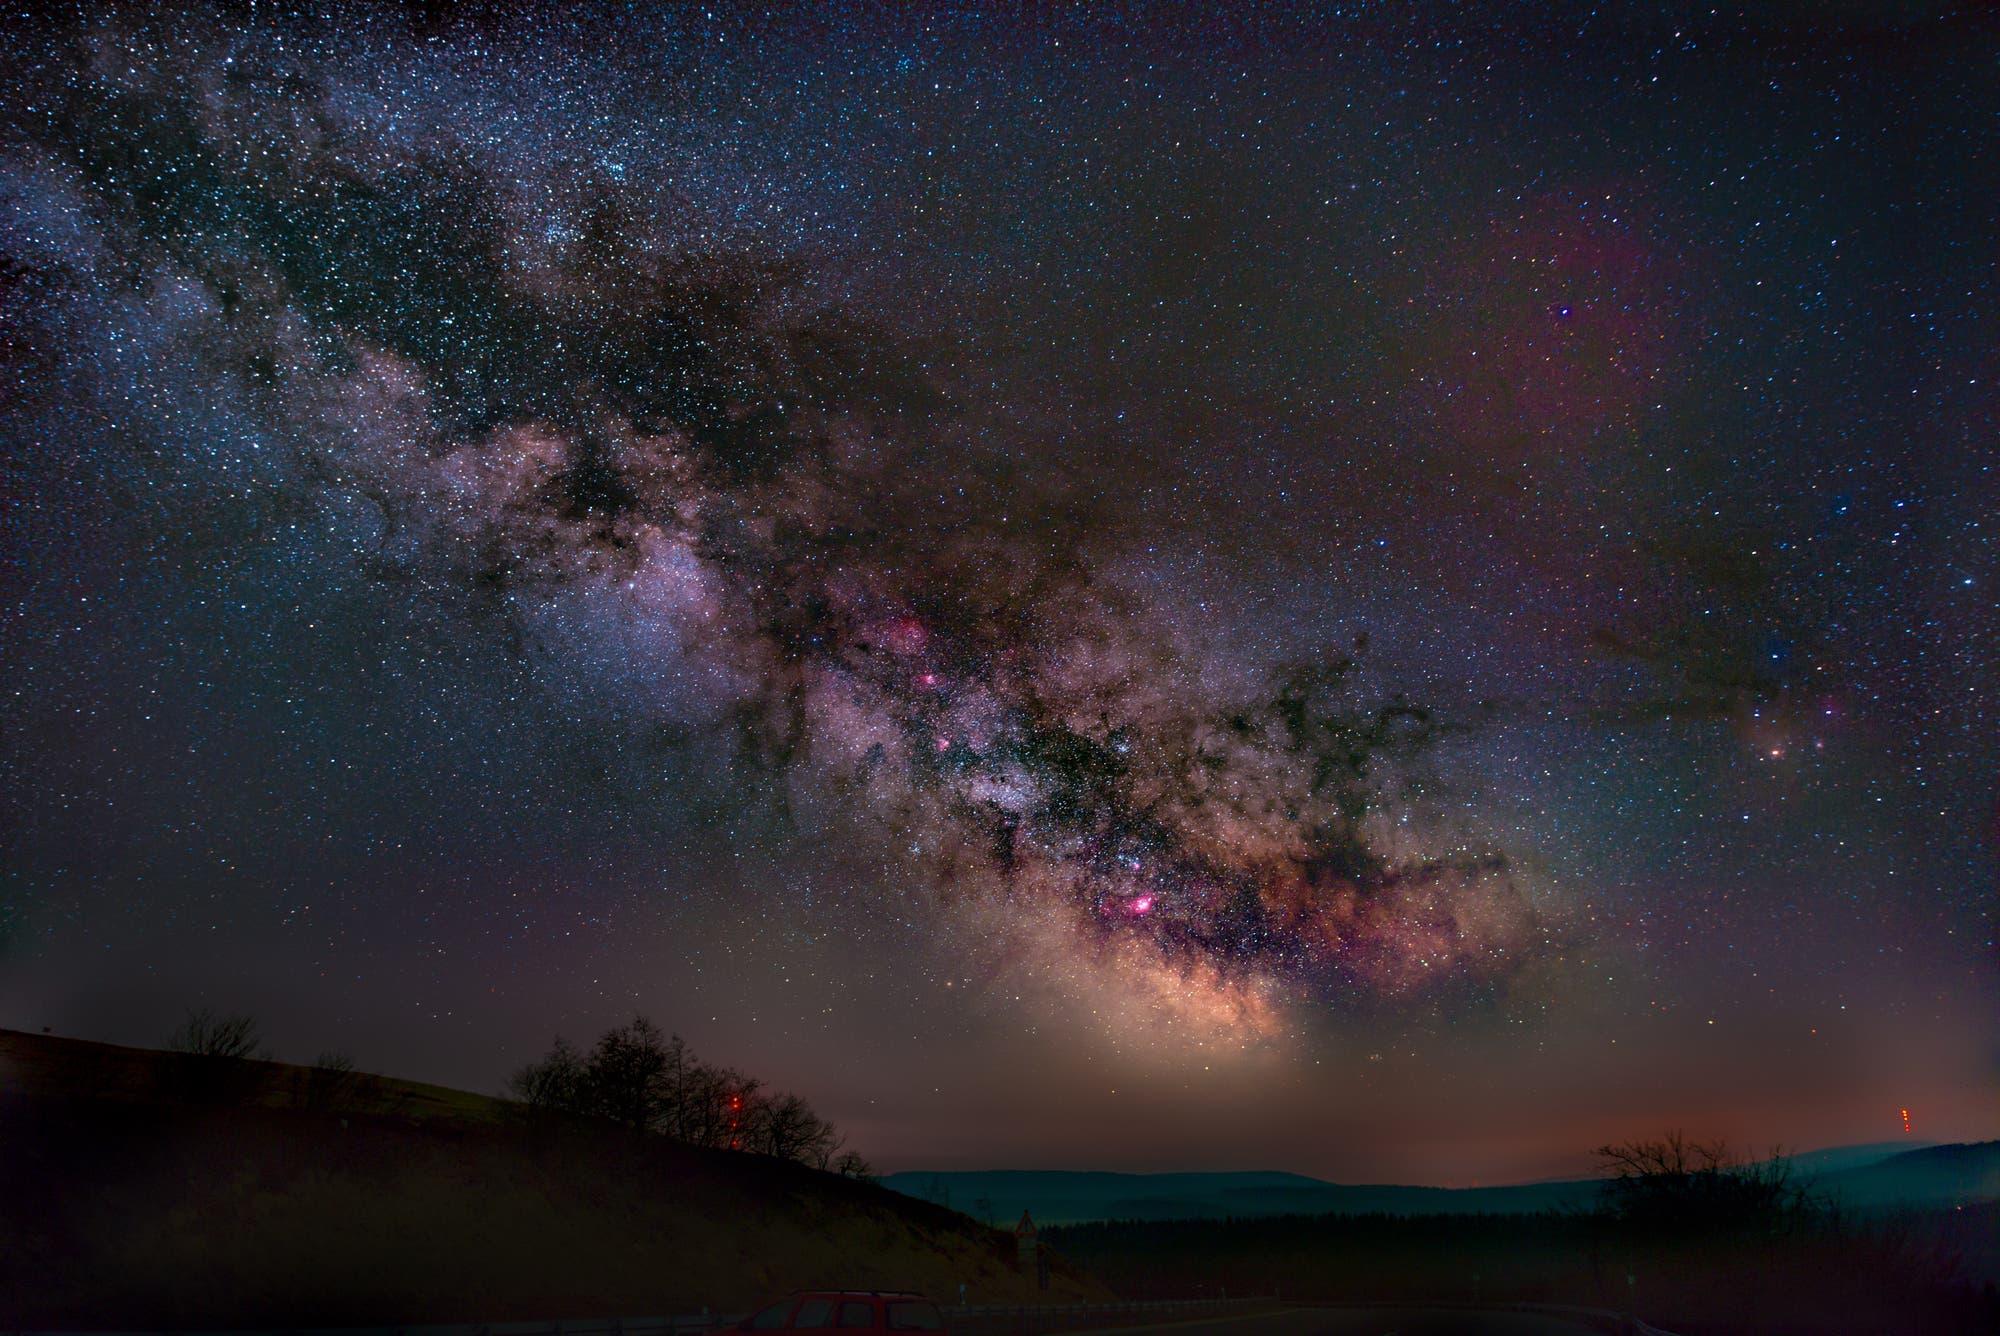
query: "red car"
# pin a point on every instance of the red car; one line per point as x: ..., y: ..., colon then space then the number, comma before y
x: 845, y: 1310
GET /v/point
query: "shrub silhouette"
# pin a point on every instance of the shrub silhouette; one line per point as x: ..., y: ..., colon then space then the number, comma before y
x: 206, y: 1035
x: 330, y: 1085
x: 1677, y: 1183
x: 213, y: 1058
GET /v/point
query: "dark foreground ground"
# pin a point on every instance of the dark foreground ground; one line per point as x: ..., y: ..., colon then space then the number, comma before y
x: 1402, y: 1321
x: 133, y: 1198
x: 1916, y: 1274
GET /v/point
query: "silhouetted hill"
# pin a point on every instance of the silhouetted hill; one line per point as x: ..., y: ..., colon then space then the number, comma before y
x: 1055, y: 1197
x: 45, y: 1065
x: 1835, y: 1159
x: 134, y: 1193
x: 1880, y: 1175
x: 1934, y: 1176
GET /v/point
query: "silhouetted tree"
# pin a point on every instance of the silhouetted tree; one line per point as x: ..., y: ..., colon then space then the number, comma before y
x: 1676, y: 1182
x: 213, y: 1054
x: 723, y: 1106
x: 685, y: 1080
x: 556, y: 1084
x: 206, y: 1035
x: 789, y: 1129
x: 627, y: 1075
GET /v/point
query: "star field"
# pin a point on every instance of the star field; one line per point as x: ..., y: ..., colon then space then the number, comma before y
x: 1416, y: 583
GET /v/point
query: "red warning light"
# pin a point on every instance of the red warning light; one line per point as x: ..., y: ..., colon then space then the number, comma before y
x: 1906, y: 1120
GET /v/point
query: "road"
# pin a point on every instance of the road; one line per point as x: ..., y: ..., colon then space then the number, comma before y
x: 1384, y: 1321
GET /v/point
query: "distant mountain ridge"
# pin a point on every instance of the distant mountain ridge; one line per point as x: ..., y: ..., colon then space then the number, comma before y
x: 1834, y: 1159
x: 1950, y: 1175
x: 1879, y: 1175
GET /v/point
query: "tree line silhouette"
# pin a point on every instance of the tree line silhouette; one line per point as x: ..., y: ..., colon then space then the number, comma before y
x: 634, y: 1076
x: 651, y: 1082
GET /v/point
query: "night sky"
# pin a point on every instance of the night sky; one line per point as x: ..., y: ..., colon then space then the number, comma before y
x: 1393, y: 591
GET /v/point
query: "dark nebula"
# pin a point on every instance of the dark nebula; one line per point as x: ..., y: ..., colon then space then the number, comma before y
x: 1290, y: 531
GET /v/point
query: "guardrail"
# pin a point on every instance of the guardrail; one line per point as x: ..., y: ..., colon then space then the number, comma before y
x: 678, y: 1324
x: 1604, y: 1319
x: 962, y: 1320
x: 1029, y: 1319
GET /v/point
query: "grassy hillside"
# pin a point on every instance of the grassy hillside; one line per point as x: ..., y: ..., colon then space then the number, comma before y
x: 78, y: 1068
x: 134, y: 1192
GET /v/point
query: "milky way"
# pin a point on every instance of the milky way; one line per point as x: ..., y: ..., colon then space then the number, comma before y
x: 1228, y: 543
x: 639, y: 443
